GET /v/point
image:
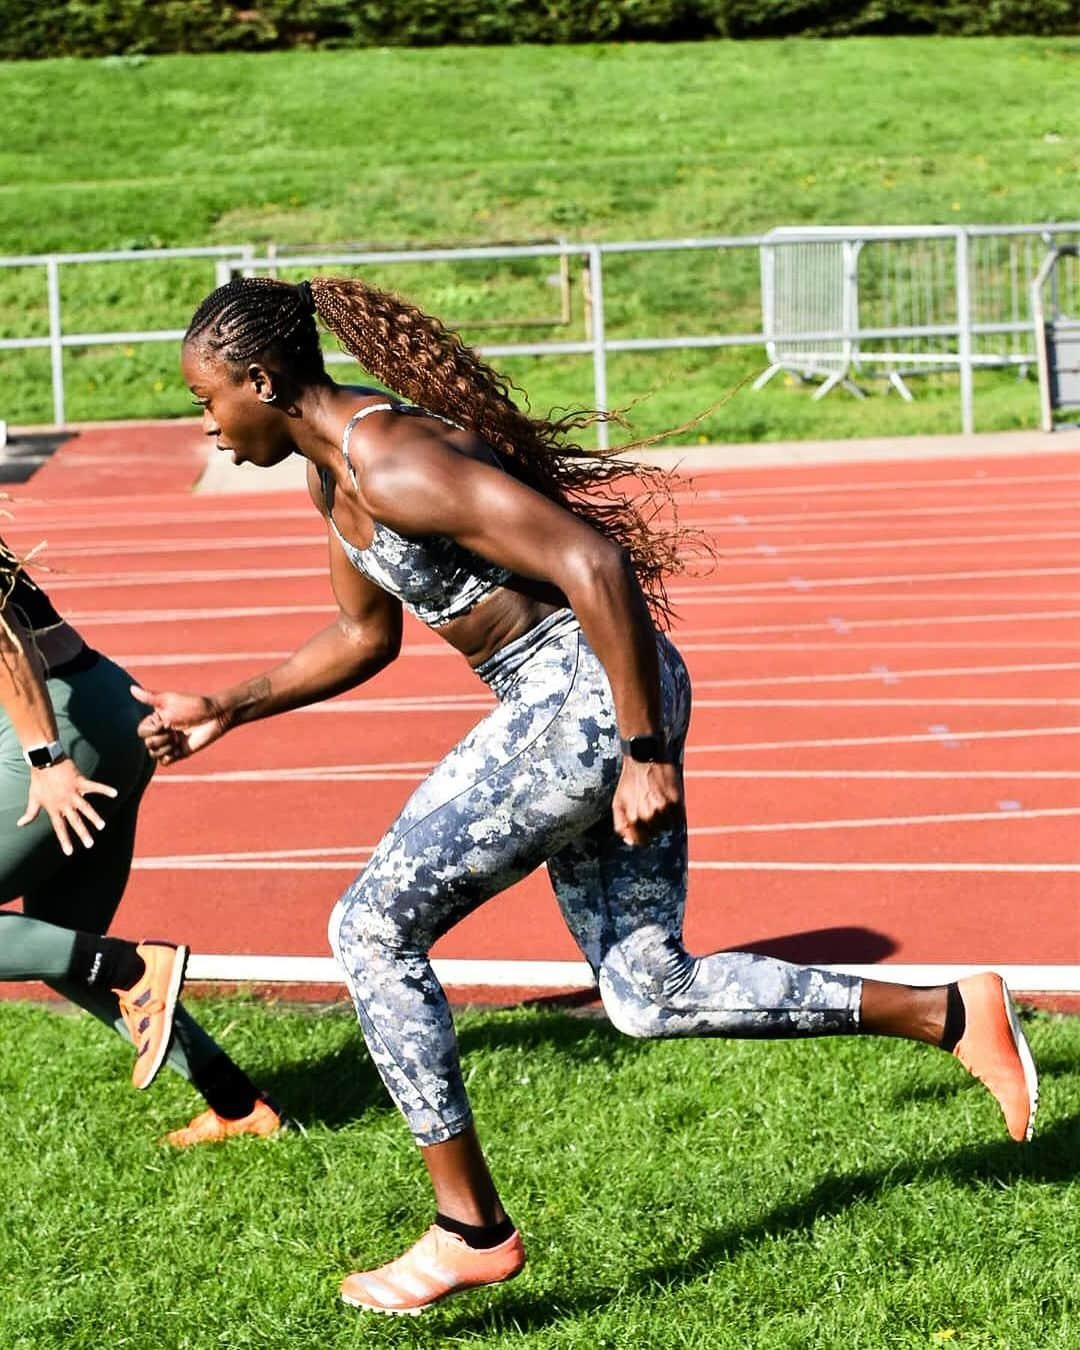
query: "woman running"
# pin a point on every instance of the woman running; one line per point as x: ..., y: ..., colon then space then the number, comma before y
x: 521, y: 551
x: 68, y: 733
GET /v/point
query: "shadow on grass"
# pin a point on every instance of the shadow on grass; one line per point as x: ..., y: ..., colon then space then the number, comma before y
x: 339, y: 1087
x: 1052, y: 1157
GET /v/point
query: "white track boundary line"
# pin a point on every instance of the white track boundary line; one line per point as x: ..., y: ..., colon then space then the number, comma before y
x: 137, y: 617
x: 782, y: 552
x: 916, y: 738
x: 710, y: 591
x: 422, y: 701
x: 705, y: 592
x: 878, y: 675
x: 210, y: 863
x: 395, y: 774
x: 884, y: 822
x: 798, y: 520
x: 969, y: 484
x: 886, y: 702
x: 578, y: 975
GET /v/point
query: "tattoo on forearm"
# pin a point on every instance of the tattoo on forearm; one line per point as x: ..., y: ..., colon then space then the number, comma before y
x: 254, y: 693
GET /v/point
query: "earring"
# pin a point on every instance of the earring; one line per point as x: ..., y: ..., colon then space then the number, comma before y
x: 271, y: 399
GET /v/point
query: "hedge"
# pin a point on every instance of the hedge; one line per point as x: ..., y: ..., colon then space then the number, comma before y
x: 39, y: 28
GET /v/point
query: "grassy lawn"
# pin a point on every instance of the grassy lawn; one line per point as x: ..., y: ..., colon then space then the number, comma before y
x: 826, y: 1194
x: 468, y: 146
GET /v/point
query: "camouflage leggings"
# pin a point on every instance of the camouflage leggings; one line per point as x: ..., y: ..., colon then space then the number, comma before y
x: 533, y: 783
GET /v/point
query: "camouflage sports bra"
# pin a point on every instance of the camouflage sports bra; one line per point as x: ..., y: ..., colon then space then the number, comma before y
x: 433, y: 576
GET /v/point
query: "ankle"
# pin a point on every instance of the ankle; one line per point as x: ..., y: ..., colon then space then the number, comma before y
x: 913, y: 1013
x: 479, y: 1236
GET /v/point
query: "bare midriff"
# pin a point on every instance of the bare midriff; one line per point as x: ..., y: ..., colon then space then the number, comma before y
x: 501, y: 617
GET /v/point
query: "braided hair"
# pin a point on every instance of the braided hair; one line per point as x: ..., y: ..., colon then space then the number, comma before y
x: 414, y: 355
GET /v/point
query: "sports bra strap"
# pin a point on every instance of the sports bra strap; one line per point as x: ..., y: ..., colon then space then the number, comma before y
x: 359, y: 417
x: 361, y: 413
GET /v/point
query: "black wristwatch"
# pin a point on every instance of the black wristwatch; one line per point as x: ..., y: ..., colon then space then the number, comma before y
x: 644, y: 749
x: 44, y: 756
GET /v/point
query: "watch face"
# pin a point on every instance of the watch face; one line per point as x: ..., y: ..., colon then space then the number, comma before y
x: 645, y: 749
x: 44, y: 756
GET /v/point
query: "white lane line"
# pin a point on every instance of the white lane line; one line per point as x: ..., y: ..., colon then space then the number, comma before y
x: 195, y: 658
x: 886, y: 645
x: 145, y: 547
x: 56, y: 581
x: 511, y: 974
x: 886, y: 702
x: 351, y: 853
x: 414, y: 773
x: 913, y: 739
x: 884, y: 822
x: 702, y: 593
x: 452, y: 702
x: 876, y: 676
x: 974, y: 483
x: 212, y: 863
x: 1004, y: 869
x: 421, y: 703
x: 822, y: 519
x: 888, y: 775
x: 710, y: 591
x: 826, y: 625
x: 926, y: 542
x: 138, y: 617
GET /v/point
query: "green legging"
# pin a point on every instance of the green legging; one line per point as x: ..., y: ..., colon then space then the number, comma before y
x: 96, y: 717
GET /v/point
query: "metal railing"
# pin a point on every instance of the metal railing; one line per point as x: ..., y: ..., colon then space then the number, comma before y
x: 957, y: 330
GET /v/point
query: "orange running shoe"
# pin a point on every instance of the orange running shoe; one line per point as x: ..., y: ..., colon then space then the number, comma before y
x: 149, y: 1005
x: 210, y: 1128
x: 440, y: 1263
x: 993, y: 1048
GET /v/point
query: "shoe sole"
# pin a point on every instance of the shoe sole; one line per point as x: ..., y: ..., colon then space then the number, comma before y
x: 172, y: 997
x: 1027, y: 1062
x: 415, y: 1312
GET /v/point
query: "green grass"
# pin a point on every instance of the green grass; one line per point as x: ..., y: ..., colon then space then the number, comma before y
x: 842, y: 1195
x: 467, y: 146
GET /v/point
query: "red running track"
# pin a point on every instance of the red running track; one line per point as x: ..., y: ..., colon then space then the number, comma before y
x: 884, y: 759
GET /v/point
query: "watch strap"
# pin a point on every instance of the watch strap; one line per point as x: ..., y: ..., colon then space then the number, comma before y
x: 44, y: 756
x: 646, y: 749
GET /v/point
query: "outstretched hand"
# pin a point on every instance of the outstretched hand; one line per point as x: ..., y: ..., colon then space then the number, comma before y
x: 61, y: 791
x: 179, y: 724
x: 648, y: 800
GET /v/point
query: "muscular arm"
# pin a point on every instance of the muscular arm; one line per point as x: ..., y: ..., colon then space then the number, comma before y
x: 424, y: 486
x: 364, y: 638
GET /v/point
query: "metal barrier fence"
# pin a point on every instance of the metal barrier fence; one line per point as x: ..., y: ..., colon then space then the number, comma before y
x: 906, y: 299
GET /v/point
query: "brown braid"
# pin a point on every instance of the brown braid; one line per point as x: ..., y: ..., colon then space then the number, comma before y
x: 412, y: 353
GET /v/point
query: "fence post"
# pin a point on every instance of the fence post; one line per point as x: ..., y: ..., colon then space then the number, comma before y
x: 963, y: 319
x: 596, y: 296
x: 56, y: 348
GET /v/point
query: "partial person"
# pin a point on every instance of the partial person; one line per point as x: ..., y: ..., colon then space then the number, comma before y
x: 541, y: 565
x: 72, y: 773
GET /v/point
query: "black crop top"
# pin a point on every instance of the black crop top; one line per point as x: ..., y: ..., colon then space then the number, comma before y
x: 31, y: 606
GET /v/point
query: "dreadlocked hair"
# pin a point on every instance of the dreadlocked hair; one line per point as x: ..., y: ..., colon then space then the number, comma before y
x: 413, y: 354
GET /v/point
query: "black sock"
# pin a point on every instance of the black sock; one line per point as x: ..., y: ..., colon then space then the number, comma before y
x: 227, y: 1088
x: 478, y: 1235
x: 105, y: 962
x: 955, y: 1018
